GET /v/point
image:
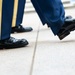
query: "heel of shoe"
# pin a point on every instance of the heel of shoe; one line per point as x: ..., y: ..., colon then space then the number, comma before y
x: 1, y: 47
x: 63, y: 35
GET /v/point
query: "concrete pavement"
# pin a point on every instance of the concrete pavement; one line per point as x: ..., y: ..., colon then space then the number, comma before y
x: 45, y: 54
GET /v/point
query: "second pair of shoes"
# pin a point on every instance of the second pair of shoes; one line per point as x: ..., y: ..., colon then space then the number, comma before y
x: 20, y: 29
x: 65, y: 30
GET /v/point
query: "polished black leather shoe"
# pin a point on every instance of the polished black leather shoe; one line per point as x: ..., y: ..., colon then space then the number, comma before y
x: 13, y: 43
x: 66, y: 28
x: 20, y: 29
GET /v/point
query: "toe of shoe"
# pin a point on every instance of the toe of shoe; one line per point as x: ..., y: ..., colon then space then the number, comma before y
x: 24, y: 41
x: 28, y: 29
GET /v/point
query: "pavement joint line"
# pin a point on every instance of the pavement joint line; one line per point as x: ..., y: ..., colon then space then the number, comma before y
x: 34, y: 53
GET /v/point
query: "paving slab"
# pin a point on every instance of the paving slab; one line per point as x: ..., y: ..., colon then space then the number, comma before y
x: 18, y: 61
x: 45, y: 54
x: 52, y: 56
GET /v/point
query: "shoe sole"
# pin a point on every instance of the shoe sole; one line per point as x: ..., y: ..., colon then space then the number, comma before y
x: 13, y: 46
x: 67, y: 31
x: 19, y: 31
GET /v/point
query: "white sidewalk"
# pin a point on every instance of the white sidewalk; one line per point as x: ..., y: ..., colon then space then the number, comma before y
x: 45, y: 54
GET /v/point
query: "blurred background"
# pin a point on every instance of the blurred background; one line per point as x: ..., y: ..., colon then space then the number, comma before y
x: 66, y: 3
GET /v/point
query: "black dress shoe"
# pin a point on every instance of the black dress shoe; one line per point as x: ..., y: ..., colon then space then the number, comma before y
x: 13, y: 43
x: 20, y: 29
x: 66, y: 29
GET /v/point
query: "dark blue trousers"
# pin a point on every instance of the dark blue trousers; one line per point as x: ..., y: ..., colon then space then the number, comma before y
x: 6, y: 12
x: 7, y: 16
x: 51, y: 12
x: 19, y: 12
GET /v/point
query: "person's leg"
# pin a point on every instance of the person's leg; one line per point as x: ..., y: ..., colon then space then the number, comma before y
x: 18, y: 17
x: 6, y: 12
x: 18, y: 12
x: 52, y: 13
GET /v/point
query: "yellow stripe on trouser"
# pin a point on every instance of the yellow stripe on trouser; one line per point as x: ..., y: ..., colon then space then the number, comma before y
x: 15, y: 13
x: 0, y: 15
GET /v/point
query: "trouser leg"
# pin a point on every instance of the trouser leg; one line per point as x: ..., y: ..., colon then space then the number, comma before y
x: 50, y: 12
x: 18, y: 12
x: 6, y: 12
